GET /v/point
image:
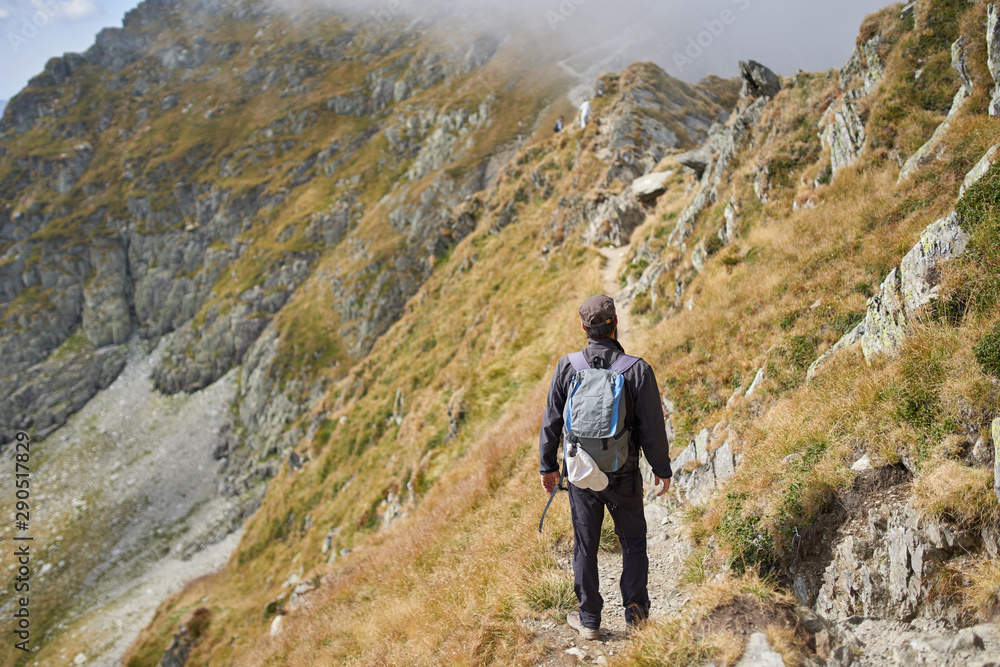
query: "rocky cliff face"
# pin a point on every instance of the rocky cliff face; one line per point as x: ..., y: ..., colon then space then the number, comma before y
x: 154, y: 216
x: 258, y: 197
x: 119, y: 239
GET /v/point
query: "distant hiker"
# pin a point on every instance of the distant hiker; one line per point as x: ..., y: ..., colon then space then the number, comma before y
x: 584, y: 113
x: 559, y: 125
x: 605, y: 406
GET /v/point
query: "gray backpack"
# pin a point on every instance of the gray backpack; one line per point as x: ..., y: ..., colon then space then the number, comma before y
x: 594, y: 415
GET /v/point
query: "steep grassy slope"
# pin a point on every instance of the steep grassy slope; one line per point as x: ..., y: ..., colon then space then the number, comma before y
x: 440, y: 288
x: 796, y: 280
x: 438, y: 425
x: 248, y: 189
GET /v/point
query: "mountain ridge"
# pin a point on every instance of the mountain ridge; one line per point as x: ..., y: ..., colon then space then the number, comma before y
x: 380, y: 245
x: 146, y: 202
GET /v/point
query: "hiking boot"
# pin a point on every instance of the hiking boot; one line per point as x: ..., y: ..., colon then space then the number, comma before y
x: 635, y: 620
x: 573, y: 620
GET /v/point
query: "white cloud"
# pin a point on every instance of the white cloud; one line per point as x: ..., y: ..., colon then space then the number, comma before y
x: 76, y: 10
x: 3, y: 13
x: 67, y: 10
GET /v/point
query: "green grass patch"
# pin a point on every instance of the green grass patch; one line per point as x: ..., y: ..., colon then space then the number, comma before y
x: 750, y: 543
x: 987, y: 352
x: 551, y: 593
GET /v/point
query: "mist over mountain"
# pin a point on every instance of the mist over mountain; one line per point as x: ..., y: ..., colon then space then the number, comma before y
x: 689, y: 40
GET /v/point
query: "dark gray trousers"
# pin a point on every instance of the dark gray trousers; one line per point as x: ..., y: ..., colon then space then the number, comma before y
x: 587, y: 511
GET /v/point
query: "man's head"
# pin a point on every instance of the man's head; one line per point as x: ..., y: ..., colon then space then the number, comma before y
x: 597, y: 315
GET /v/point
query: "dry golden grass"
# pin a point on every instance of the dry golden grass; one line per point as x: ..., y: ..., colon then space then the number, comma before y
x: 707, y: 628
x: 957, y: 492
x: 444, y: 588
x: 673, y: 643
x: 449, y: 583
x: 983, y: 594
x: 790, y: 645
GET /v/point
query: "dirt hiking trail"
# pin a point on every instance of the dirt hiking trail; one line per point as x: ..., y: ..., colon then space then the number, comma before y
x: 667, y: 547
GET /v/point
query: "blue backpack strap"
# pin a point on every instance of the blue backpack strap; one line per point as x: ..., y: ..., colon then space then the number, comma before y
x: 623, y: 363
x: 579, y: 361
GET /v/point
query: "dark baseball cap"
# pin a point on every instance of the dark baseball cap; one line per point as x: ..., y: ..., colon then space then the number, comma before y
x: 597, y: 311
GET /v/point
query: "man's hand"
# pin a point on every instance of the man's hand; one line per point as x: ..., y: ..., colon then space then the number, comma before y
x: 666, y: 485
x: 550, y: 481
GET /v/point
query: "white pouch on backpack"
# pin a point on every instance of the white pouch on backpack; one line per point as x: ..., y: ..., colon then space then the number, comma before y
x: 582, y: 471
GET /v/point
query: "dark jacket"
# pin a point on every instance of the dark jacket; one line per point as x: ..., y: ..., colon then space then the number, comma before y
x: 648, y: 429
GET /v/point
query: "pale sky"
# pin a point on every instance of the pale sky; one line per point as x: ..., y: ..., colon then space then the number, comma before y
x: 688, y: 39
x: 66, y: 26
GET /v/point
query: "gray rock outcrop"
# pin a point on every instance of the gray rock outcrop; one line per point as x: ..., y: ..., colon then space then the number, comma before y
x: 625, y: 129
x: 731, y: 215
x: 148, y: 265
x: 106, y: 317
x: 842, y: 130
x: 699, y: 159
x: 196, y: 357
x: 989, y: 158
x: 885, y: 567
x: 180, y: 647
x: 44, y: 396
x: 725, y: 142
x: 641, y: 125
x: 886, y: 643
x: 612, y: 220
x: 993, y: 54
x: 843, y: 134
x: 910, y: 286
x: 995, y: 433
x: 348, y: 105
x: 182, y: 56
x: 698, y: 473
x: 927, y: 152
x: 941, y: 241
x: 115, y: 48
x: 865, y: 64
x: 758, y: 80
x: 647, y: 188
x: 267, y: 405
x: 758, y: 653
x: 441, y: 145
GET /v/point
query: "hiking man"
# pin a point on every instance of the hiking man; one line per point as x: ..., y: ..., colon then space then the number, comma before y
x: 643, y: 429
x: 584, y: 113
x: 557, y: 128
